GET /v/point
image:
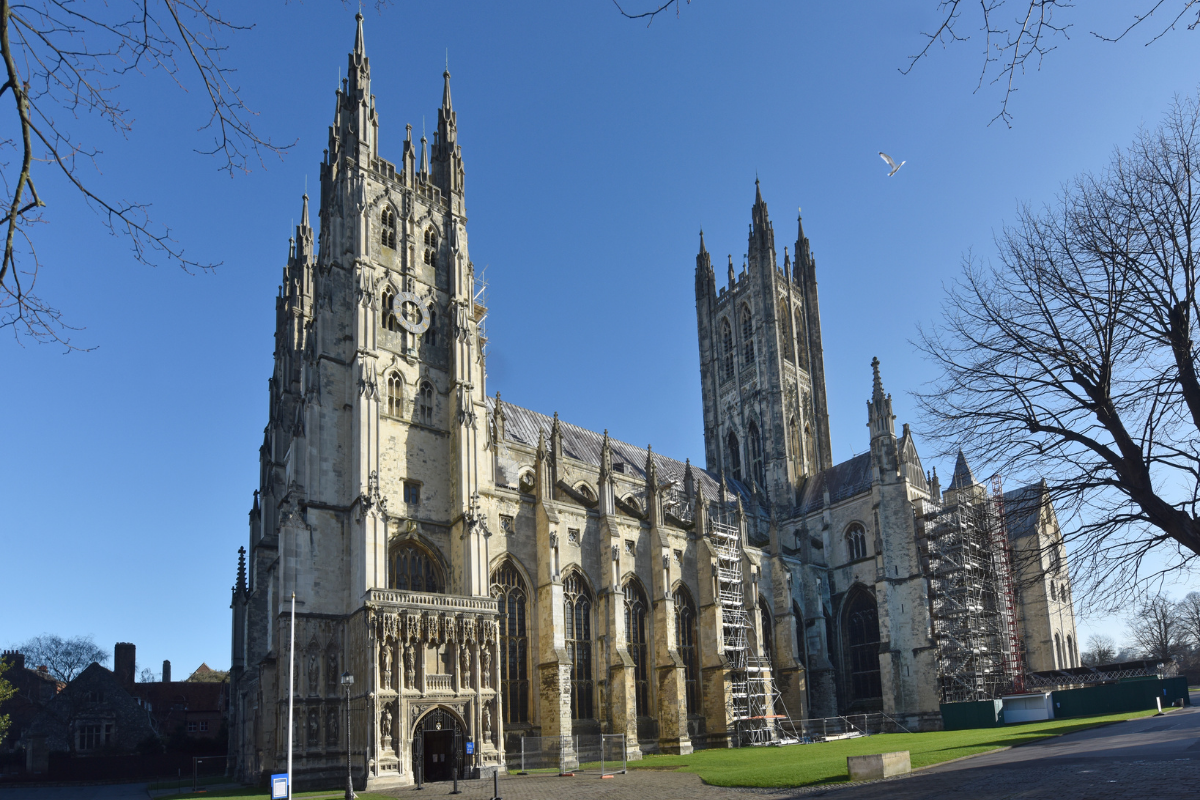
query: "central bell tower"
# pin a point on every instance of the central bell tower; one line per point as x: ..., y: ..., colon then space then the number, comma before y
x: 762, y: 370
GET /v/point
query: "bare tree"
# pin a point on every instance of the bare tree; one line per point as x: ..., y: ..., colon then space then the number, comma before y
x: 1100, y: 650
x: 64, y: 59
x: 650, y: 13
x: 1019, y: 34
x: 64, y: 658
x: 147, y: 675
x: 1157, y: 630
x: 1074, y: 359
x: 1189, y: 616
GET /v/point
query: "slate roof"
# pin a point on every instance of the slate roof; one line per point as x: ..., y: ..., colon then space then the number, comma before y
x: 522, y: 425
x: 1021, y: 509
x: 843, y: 481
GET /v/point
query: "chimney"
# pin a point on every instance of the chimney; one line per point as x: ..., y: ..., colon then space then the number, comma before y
x: 15, y: 659
x: 125, y: 663
x: 166, y: 676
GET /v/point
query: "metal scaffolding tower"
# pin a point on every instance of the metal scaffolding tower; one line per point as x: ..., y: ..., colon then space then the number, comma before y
x: 972, y: 598
x: 754, y: 707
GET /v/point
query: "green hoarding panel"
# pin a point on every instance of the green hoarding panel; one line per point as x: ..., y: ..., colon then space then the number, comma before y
x: 979, y: 714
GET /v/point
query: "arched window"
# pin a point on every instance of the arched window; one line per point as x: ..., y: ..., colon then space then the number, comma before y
x: 426, y: 410
x: 747, y: 336
x: 431, y: 243
x: 431, y: 332
x: 414, y: 570
x: 395, y: 394
x: 726, y: 351
x: 635, y: 636
x: 856, y: 542
x: 578, y: 608
x: 735, y: 456
x: 586, y: 491
x: 685, y: 636
x: 512, y: 601
x: 1053, y: 593
x: 387, y: 235
x: 801, y: 340
x: 1071, y: 662
x: 862, y: 640
x: 756, y: 455
x: 796, y: 446
x: 785, y: 333
x: 389, y: 310
x: 768, y: 629
x: 1058, y: 653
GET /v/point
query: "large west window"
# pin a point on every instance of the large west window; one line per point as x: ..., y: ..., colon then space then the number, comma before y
x: 578, y: 607
x: 512, y: 602
x: 414, y: 570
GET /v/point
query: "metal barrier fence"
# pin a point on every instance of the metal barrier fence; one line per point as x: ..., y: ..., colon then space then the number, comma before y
x: 602, y: 754
x: 831, y: 728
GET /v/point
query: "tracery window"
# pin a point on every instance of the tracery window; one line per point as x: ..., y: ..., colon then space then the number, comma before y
x: 389, y: 310
x: 578, y: 608
x: 635, y: 636
x: 856, y: 542
x: 395, y: 394
x: 801, y: 340
x: 747, y: 336
x: 426, y: 409
x: 862, y: 628
x: 387, y: 236
x: 431, y: 332
x: 768, y: 629
x: 1058, y: 653
x: 414, y: 570
x: 796, y: 446
x: 431, y: 243
x: 512, y: 601
x: 726, y: 350
x: 685, y: 636
x: 785, y: 332
x: 735, y: 456
x: 756, y: 455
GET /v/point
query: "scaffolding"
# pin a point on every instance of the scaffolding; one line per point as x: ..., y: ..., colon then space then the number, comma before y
x: 972, y: 599
x: 754, y: 706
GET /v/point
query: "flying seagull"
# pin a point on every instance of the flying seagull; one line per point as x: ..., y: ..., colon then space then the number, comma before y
x: 895, y: 167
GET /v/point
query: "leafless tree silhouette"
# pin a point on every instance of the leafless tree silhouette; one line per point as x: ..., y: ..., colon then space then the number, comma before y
x: 64, y: 59
x: 1074, y: 359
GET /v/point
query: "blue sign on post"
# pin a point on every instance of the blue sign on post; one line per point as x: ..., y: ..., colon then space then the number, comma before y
x: 279, y: 786
x: 470, y: 748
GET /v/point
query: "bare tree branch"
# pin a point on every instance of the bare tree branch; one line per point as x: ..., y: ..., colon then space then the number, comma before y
x: 652, y: 13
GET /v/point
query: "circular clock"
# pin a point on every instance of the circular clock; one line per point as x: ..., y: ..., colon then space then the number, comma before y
x: 411, y: 313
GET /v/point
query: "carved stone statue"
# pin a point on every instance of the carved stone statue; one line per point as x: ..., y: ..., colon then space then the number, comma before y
x: 385, y: 727
x: 410, y: 675
x: 487, y: 722
x: 464, y: 659
x: 314, y: 673
x: 485, y: 666
x: 386, y: 663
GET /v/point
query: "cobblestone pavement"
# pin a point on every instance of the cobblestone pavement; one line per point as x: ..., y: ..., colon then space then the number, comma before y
x: 121, y: 791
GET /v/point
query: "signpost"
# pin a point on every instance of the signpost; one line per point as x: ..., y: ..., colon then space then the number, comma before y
x: 470, y: 748
x: 279, y: 787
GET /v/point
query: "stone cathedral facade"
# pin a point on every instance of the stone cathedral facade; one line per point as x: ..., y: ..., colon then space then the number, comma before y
x: 487, y: 572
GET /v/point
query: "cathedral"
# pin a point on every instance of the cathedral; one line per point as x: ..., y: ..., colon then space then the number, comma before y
x: 487, y: 572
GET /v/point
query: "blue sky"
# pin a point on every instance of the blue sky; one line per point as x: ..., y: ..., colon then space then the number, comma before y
x: 595, y: 150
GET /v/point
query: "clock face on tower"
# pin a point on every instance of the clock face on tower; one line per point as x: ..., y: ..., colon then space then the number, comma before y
x: 413, y: 316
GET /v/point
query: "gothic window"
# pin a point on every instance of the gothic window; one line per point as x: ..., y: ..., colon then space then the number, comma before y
x: 635, y: 636
x: 735, y: 456
x: 862, y: 634
x: 426, y: 409
x: 756, y: 455
x: 785, y: 332
x: 685, y: 636
x: 796, y: 446
x: 387, y: 236
x: 768, y: 629
x: 414, y: 570
x: 1058, y: 653
x: 812, y: 451
x: 801, y: 340
x: 1070, y: 651
x: 586, y: 491
x: 412, y: 492
x: 431, y: 243
x: 511, y: 598
x: 726, y: 351
x: 856, y: 542
x: 431, y: 332
x: 747, y: 336
x: 395, y: 394
x: 1053, y: 594
x: 389, y: 310
x: 578, y: 608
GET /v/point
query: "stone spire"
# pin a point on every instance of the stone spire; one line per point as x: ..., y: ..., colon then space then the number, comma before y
x: 448, y: 173
x: 240, y: 586
x: 963, y: 477
x: 732, y: 277
x: 880, y: 418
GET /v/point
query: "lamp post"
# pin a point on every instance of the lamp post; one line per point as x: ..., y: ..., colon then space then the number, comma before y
x: 348, y: 681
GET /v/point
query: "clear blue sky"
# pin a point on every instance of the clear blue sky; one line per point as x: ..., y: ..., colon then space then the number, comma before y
x: 595, y: 150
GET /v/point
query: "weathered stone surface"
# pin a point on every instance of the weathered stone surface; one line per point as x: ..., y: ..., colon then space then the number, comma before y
x: 877, y: 766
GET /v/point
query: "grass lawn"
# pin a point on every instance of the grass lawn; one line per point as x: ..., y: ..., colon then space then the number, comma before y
x: 808, y: 764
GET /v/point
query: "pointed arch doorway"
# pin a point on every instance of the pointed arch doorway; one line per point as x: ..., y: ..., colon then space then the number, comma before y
x: 439, y: 746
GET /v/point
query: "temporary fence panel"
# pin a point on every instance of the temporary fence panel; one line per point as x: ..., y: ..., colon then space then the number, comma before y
x: 603, y: 754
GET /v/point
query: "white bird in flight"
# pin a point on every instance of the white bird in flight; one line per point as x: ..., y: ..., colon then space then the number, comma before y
x: 895, y: 167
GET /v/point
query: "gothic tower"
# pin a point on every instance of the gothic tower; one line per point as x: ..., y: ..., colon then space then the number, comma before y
x: 762, y: 374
